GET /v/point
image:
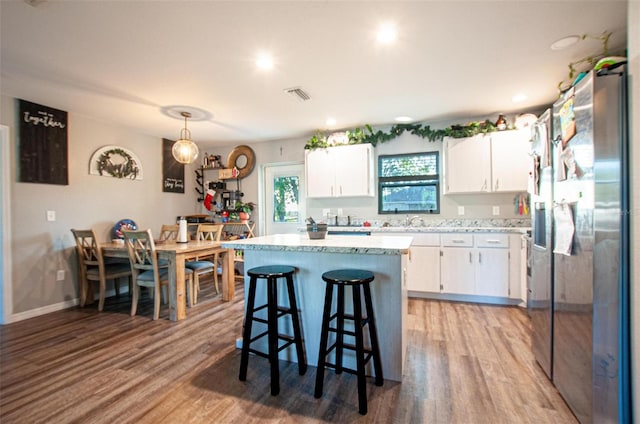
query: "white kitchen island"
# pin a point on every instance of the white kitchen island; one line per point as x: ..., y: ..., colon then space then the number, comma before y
x: 385, y: 256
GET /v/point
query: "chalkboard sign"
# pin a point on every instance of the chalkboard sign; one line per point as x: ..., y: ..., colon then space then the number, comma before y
x: 43, y: 144
x: 172, y: 170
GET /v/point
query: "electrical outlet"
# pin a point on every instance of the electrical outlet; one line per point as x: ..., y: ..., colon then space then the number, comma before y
x: 60, y: 275
x: 496, y: 210
x: 460, y: 210
x: 51, y: 216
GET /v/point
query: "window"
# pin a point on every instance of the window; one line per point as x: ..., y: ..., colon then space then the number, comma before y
x: 286, y: 199
x: 409, y: 183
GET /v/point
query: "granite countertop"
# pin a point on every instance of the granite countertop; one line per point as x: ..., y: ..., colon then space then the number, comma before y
x: 383, y: 245
x: 403, y: 229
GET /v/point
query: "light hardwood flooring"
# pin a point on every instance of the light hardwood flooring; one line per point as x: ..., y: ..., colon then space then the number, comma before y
x: 465, y: 363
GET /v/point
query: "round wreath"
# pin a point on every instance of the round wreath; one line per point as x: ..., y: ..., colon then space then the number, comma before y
x: 128, y: 169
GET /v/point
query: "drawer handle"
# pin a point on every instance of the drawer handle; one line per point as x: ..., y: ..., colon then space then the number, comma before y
x: 457, y: 241
x: 493, y: 241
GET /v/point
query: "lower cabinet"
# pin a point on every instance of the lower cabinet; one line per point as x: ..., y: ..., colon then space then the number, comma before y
x: 465, y: 266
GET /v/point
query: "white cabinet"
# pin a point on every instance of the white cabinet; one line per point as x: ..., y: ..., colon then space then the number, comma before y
x: 493, y: 163
x: 510, y: 160
x: 341, y: 171
x: 475, y: 264
x: 467, y: 167
x: 457, y: 264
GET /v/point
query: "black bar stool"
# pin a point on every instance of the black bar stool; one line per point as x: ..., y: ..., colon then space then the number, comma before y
x: 355, y: 278
x: 271, y: 273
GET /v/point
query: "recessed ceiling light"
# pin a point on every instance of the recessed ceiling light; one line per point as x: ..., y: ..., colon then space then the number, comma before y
x: 386, y: 33
x: 330, y: 122
x: 520, y: 97
x: 264, y: 61
x: 403, y: 119
x: 565, y: 42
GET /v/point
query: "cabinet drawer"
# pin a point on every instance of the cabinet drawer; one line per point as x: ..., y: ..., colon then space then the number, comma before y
x: 457, y: 240
x: 492, y: 240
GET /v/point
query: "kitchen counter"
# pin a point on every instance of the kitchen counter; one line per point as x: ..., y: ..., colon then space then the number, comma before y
x: 393, y: 245
x: 403, y: 229
x: 385, y: 256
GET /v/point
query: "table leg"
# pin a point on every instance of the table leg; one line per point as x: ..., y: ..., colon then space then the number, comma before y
x: 177, y: 298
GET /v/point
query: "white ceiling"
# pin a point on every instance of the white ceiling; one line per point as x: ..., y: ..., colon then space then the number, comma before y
x: 126, y: 61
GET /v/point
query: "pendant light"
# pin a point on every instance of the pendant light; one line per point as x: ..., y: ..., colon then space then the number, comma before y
x: 185, y: 150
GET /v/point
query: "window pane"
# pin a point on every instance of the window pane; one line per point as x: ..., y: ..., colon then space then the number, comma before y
x: 409, y: 198
x: 286, y: 199
x: 409, y: 165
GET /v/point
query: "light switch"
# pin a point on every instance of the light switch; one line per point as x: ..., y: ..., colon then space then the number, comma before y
x: 496, y: 210
x: 51, y: 216
x: 460, y: 210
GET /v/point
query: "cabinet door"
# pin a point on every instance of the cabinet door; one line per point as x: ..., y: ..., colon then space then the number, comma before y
x: 467, y: 164
x: 510, y: 160
x: 423, y: 269
x: 353, y: 170
x: 492, y: 272
x: 320, y: 173
x: 457, y: 270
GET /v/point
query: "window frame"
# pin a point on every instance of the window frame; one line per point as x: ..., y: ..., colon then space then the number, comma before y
x: 420, y: 180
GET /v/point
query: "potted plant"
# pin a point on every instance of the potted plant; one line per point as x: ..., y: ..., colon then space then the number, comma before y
x: 244, y: 210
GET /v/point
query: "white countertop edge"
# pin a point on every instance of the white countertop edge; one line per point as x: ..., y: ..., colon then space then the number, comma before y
x: 382, y: 245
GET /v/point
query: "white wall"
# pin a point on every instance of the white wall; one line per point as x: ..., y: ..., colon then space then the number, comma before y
x: 40, y: 248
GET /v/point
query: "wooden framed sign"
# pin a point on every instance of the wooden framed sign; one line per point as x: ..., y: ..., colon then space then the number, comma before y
x: 42, y: 144
x: 172, y: 170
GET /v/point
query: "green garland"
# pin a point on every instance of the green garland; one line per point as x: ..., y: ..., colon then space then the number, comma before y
x: 367, y: 135
x: 128, y: 169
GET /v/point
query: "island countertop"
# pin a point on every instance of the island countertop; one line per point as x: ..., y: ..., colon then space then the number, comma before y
x: 383, y: 245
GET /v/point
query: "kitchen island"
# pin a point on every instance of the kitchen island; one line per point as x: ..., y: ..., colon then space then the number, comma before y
x: 385, y: 256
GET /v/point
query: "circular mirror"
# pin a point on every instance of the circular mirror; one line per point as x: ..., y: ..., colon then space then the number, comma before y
x: 243, y: 158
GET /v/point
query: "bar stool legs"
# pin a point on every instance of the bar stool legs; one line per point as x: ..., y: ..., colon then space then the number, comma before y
x: 271, y: 274
x: 356, y: 279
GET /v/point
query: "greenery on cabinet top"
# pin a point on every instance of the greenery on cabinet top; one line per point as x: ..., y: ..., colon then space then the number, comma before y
x: 368, y: 135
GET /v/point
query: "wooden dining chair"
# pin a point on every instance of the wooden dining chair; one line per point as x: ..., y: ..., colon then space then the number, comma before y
x: 147, y: 270
x: 169, y: 232
x: 202, y: 266
x: 92, y: 267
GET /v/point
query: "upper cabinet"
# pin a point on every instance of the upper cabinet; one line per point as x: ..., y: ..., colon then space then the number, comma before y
x: 493, y: 163
x: 341, y: 171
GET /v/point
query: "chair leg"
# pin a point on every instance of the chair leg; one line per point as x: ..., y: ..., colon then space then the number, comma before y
x: 196, y: 287
x: 246, y: 332
x: 84, y: 283
x: 156, y: 301
x: 103, y: 289
x: 373, y: 336
x: 116, y: 286
x: 362, y: 382
x: 297, y: 333
x: 272, y: 335
x: 190, y: 290
x: 324, y: 337
x: 134, y: 300
x: 216, y: 258
x: 340, y: 329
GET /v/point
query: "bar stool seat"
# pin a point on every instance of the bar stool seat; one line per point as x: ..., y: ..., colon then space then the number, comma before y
x: 271, y: 273
x: 356, y: 279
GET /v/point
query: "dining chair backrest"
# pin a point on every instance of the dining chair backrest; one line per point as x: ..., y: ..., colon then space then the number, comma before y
x: 169, y: 232
x: 142, y: 252
x: 89, y: 250
x: 211, y: 232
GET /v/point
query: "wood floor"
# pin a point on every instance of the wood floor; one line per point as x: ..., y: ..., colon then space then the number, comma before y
x: 465, y: 364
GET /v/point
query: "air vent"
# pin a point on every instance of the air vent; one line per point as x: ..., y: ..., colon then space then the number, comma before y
x: 297, y: 93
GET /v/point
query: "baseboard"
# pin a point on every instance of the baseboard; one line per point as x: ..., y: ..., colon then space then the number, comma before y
x: 32, y: 313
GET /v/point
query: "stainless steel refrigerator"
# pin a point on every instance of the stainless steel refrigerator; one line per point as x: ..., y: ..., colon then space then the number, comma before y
x: 540, y: 296
x: 591, y: 248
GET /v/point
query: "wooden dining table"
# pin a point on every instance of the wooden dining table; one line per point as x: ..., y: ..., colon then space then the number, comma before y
x: 177, y: 254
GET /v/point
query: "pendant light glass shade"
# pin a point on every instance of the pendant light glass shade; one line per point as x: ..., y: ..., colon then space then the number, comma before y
x: 184, y: 150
